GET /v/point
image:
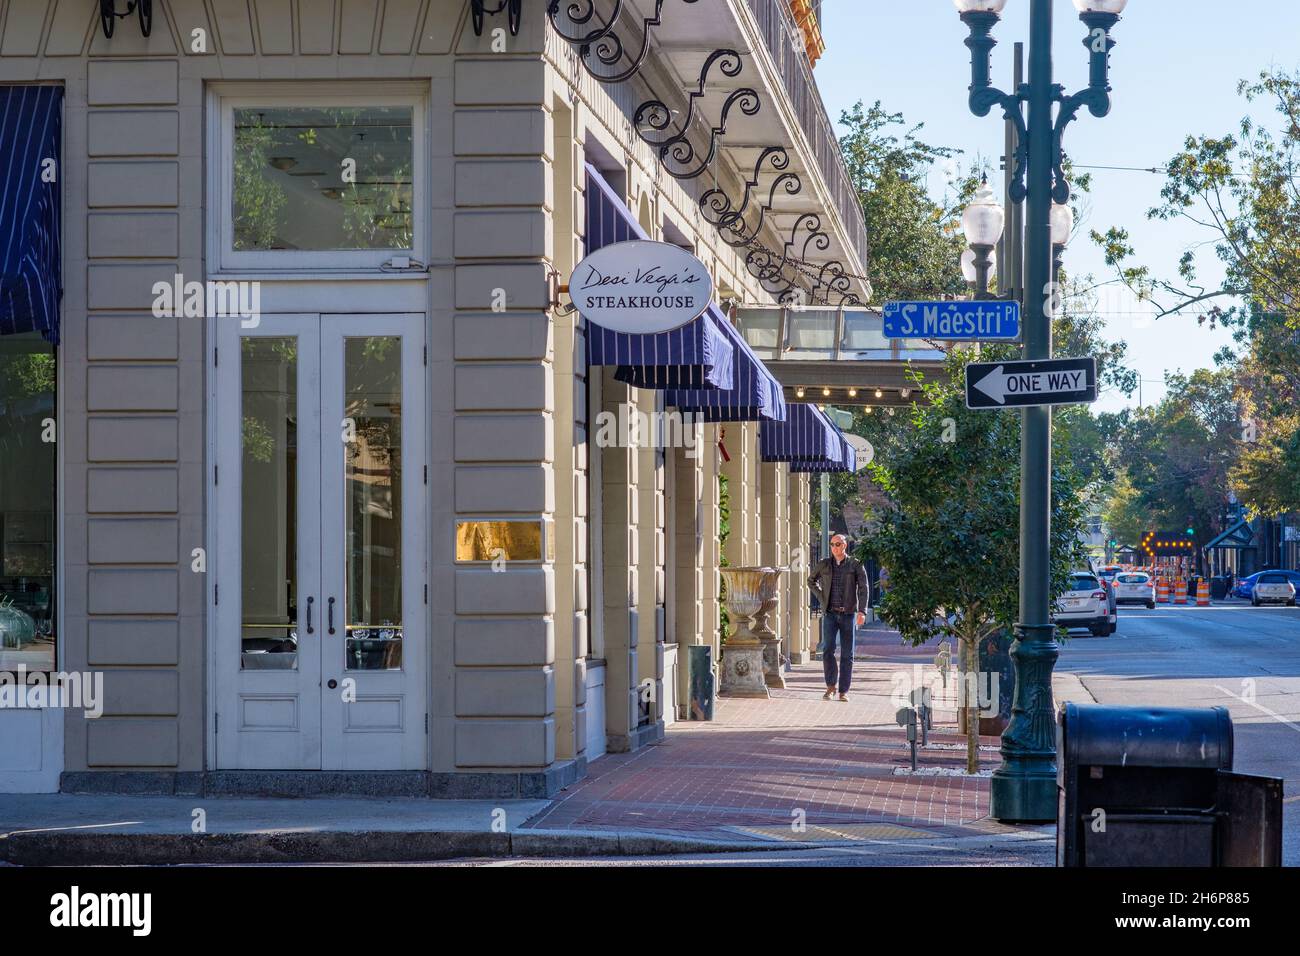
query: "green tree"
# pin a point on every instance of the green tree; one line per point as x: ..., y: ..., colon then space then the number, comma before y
x: 1178, y: 454
x: 949, y: 531
x: 1123, y: 516
x: 1240, y: 192
x: 915, y: 243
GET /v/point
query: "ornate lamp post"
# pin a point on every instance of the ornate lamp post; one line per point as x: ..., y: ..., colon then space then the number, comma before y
x: 982, y: 222
x: 1024, y: 787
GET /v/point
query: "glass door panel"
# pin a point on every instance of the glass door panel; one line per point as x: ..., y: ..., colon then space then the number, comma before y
x: 372, y: 480
x: 269, y: 503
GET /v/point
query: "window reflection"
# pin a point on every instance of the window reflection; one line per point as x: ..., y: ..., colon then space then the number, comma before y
x: 27, y: 475
x: 269, y: 592
x: 373, y: 489
x: 320, y: 178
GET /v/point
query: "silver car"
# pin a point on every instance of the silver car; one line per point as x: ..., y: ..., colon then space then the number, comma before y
x: 1272, y: 588
x: 1086, y: 603
x: 1134, y: 587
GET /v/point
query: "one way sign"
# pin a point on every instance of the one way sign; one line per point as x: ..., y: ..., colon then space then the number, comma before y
x: 1020, y: 384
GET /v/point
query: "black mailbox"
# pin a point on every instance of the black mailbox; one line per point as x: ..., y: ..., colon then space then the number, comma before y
x: 1153, y: 786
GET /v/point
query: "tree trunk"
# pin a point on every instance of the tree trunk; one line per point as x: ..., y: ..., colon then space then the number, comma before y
x: 970, y: 657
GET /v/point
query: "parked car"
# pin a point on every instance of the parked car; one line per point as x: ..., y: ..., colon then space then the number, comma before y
x: 1087, y: 603
x: 1244, y: 587
x: 1135, y: 587
x: 1273, y: 587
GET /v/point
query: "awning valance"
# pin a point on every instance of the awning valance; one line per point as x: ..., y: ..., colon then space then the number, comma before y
x: 697, y: 355
x: 754, y: 395
x: 806, y: 435
x: 31, y: 277
x: 848, y: 462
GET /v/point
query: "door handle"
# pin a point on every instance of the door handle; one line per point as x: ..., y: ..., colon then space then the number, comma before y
x: 331, y: 613
x: 309, y: 603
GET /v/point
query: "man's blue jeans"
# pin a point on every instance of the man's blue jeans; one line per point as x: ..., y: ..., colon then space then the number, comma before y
x: 841, y: 625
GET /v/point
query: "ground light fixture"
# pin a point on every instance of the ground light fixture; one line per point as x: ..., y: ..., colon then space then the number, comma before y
x: 1023, y: 788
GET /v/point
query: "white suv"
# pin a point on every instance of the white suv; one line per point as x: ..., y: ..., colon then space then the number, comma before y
x: 1086, y: 604
x: 1272, y: 587
x: 1135, y: 587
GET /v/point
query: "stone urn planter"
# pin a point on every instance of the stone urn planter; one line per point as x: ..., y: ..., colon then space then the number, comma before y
x: 770, y: 640
x: 748, y: 589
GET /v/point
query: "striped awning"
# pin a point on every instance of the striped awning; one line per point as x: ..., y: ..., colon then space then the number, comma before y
x: 848, y: 463
x: 31, y: 277
x: 806, y: 436
x: 697, y: 355
x: 754, y: 395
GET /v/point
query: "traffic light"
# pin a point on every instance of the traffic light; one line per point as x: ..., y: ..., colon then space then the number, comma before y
x: 1191, y: 532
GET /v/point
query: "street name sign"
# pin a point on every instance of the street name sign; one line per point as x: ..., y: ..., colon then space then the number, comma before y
x: 1066, y: 381
x: 983, y: 320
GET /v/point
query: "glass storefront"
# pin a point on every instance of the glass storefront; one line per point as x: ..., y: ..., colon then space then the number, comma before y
x: 27, y: 502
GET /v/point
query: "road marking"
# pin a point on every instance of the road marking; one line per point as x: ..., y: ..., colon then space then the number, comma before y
x: 1258, y: 706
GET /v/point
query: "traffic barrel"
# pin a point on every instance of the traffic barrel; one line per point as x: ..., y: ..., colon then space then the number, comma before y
x: 1162, y: 591
x: 1203, y: 593
x: 1180, y: 591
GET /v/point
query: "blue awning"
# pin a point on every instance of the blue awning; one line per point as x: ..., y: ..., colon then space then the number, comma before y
x: 697, y: 355
x: 806, y: 435
x: 31, y: 276
x: 849, y: 462
x: 754, y: 394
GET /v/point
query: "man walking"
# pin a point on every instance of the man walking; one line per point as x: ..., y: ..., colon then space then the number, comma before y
x: 840, y: 584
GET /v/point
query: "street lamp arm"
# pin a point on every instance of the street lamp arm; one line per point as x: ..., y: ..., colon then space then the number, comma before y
x: 982, y: 101
x: 1097, y: 99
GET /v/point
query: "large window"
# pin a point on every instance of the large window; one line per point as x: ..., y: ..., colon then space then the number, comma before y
x: 316, y: 176
x: 27, y: 496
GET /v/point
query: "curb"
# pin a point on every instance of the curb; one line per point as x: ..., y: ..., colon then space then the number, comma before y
x: 365, y: 846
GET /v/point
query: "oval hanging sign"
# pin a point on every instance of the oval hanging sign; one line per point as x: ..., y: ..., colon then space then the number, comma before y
x: 641, y: 287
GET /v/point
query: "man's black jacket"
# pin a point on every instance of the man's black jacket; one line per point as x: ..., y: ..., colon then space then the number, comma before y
x: 820, y: 583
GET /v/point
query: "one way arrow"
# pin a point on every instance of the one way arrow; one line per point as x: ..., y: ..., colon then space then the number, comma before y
x: 994, y: 385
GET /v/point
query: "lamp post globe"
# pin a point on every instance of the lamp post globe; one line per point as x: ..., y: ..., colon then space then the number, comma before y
x: 968, y: 266
x: 983, y: 219
x: 1062, y: 223
x: 983, y: 6
x: 1099, y: 6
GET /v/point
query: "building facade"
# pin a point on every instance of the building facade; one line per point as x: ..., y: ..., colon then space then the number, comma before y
x: 309, y: 472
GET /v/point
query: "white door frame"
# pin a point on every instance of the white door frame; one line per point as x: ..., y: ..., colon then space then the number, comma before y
x: 332, y: 735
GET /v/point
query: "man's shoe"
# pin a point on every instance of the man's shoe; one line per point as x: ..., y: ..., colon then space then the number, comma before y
x: 830, y: 692
x: 844, y: 698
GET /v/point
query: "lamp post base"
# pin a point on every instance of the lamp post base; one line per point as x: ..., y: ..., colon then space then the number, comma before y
x: 1023, y: 796
x: 1023, y: 789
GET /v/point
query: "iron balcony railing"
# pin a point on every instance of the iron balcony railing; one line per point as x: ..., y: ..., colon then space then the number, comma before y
x: 785, y: 45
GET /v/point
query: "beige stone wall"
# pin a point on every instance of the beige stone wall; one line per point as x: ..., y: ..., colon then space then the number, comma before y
x: 509, y: 397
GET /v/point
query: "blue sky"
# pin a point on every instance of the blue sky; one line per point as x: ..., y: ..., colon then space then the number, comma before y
x: 1174, y: 72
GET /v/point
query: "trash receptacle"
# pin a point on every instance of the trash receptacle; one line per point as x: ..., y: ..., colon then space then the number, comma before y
x: 1153, y: 786
x: 1218, y: 588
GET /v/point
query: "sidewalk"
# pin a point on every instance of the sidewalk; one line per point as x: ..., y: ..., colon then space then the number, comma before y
x: 796, y: 768
x: 791, y: 770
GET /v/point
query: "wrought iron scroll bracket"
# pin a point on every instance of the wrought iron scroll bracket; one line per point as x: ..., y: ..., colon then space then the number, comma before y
x: 513, y: 9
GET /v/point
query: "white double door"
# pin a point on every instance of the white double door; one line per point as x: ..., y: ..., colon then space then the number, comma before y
x: 320, y: 638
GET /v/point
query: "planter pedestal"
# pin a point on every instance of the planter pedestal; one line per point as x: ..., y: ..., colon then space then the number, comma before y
x: 771, y: 645
x: 742, y: 671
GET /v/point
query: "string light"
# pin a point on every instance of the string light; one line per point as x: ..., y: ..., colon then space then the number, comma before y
x: 853, y: 393
x: 879, y: 394
x: 826, y: 392
x: 799, y: 392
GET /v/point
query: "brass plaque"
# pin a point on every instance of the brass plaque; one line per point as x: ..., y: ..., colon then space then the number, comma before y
x: 504, y: 540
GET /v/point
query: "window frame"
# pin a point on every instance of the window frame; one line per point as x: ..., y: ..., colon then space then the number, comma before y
x: 225, y: 98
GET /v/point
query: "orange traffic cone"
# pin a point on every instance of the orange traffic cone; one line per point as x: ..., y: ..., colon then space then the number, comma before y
x: 1162, y: 591
x: 1180, y: 591
x: 1203, y: 593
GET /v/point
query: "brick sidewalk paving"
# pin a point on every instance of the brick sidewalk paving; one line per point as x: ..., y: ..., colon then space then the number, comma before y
x: 748, y: 772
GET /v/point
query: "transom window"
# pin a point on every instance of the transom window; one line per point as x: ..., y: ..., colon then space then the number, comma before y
x: 311, y: 179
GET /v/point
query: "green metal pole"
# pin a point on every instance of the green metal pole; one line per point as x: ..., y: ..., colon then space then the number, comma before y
x: 1023, y: 789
